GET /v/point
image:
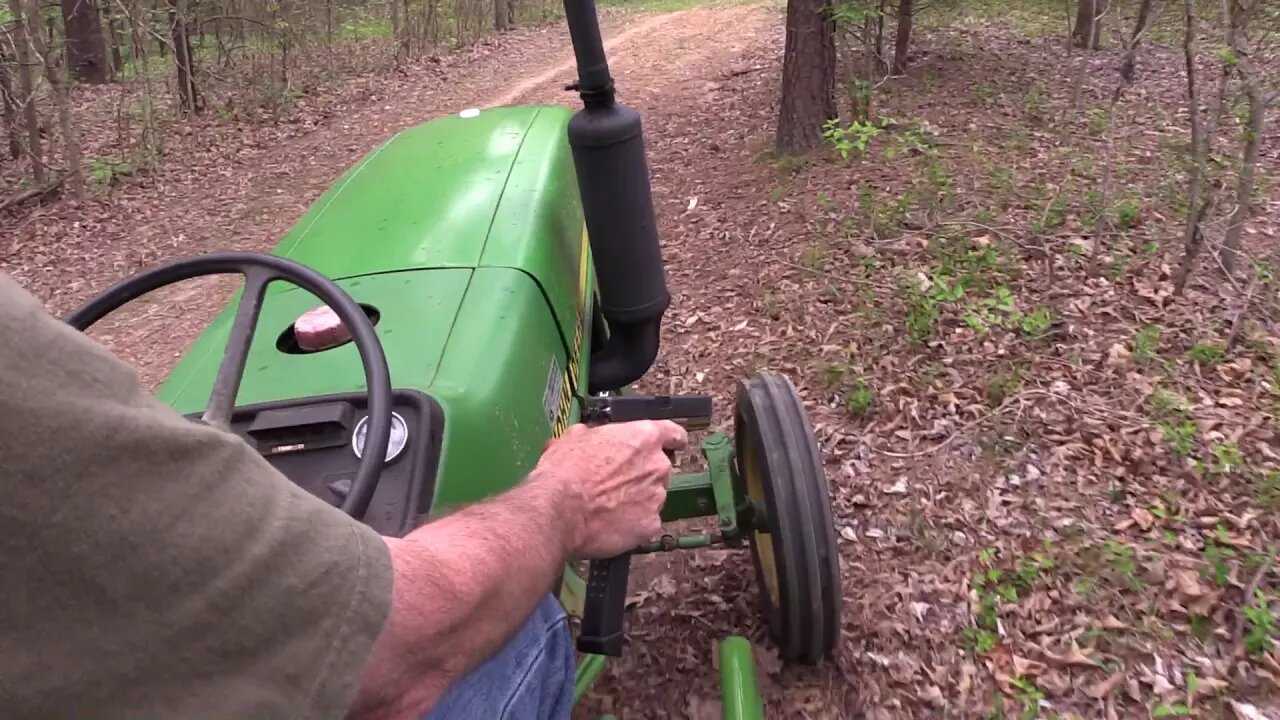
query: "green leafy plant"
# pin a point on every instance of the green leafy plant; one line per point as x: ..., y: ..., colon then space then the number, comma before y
x: 1269, y: 490
x: 1226, y: 458
x: 1218, y: 555
x: 846, y: 139
x: 1206, y: 353
x: 1180, y: 436
x: 922, y: 313
x: 1002, y: 386
x: 859, y: 398
x: 1097, y: 120
x: 1262, y: 625
x: 989, y: 588
x: 833, y: 373
x: 1146, y: 343
x: 1123, y: 563
x: 1127, y: 213
x: 1029, y: 695
x: 1037, y: 323
x: 1176, y: 427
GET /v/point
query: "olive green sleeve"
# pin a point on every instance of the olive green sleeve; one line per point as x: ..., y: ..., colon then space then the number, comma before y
x: 157, y: 568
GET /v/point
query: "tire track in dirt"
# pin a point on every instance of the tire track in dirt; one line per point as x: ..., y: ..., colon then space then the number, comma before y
x: 567, y: 68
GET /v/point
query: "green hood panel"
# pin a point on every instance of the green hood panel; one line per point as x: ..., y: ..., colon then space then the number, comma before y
x: 417, y: 314
x: 495, y: 190
x: 425, y: 198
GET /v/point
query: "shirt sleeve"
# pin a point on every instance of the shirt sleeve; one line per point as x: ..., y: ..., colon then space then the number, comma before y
x: 157, y: 568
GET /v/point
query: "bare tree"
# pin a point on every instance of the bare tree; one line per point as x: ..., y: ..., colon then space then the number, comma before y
x: 26, y: 93
x: 53, y: 76
x: 1241, y: 12
x: 1236, y: 61
x: 188, y: 94
x: 808, y: 76
x: 1127, y: 73
x: 8, y: 108
x: 1192, y: 235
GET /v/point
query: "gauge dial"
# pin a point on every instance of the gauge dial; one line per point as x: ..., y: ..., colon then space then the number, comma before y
x: 399, y: 437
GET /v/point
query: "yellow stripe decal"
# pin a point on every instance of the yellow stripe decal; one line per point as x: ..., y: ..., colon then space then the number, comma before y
x: 570, y: 386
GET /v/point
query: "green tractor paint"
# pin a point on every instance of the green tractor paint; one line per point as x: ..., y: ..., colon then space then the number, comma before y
x: 499, y: 277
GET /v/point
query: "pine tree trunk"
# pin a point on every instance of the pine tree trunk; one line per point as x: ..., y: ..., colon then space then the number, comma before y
x: 86, y: 47
x: 808, y: 76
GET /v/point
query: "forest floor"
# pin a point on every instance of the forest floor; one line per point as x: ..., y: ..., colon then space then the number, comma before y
x: 1056, y: 485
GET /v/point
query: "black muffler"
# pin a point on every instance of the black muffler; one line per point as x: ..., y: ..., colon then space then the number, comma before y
x: 613, y: 181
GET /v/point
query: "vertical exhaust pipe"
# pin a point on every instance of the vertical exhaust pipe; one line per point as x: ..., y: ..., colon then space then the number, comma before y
x: 613, y: 180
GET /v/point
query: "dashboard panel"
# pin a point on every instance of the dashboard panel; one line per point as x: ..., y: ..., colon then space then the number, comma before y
x: 316, y: 441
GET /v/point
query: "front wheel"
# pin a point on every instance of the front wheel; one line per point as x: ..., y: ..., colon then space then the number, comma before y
x: 792, y: 535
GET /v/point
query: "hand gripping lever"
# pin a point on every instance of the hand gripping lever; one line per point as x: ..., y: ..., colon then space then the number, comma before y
x: 603, y: 610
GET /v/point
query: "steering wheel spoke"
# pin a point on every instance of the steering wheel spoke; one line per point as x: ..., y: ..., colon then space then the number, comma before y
x: 226, y: 385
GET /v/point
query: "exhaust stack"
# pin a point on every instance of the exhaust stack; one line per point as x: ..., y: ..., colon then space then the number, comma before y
x: 613, y: 180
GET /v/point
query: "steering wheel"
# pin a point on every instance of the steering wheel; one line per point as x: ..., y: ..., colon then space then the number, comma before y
x: 260, y: 270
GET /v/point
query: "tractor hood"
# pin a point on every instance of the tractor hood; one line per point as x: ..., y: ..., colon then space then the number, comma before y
x: 458, y: 231
x: 428, y: 197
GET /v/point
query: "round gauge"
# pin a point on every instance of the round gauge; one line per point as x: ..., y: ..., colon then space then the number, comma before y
x: 399, y: 437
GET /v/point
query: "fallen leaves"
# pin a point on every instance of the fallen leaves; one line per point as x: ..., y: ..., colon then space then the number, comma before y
x: 1104, y: 688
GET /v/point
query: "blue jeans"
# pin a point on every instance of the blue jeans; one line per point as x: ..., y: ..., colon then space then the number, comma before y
x: 531, y: 678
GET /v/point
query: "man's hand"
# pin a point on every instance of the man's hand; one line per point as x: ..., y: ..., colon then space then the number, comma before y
x: 466, y: 581
x: 614, y: 477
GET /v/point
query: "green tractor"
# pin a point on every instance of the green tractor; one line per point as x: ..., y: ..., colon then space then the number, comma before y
x: 486, y: 279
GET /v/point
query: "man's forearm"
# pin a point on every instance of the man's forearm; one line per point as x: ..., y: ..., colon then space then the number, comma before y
x: 463, y: 585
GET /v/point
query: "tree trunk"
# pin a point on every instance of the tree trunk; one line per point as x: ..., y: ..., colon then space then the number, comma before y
x: 114, y: 35
x: 1248, y: 164
x: 26, y: 99
x: 8, y: 108
x: 1144, y: 19
x: 1191, y: 234
x: 1088, y: 30
x: 902, y: 43
x: 808, y: 76
x: 501, y: 15
x: 188, y: 95
x: 86, y: 48
x: 70, y: 142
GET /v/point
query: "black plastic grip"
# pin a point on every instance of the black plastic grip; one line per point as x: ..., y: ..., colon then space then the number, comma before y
x: 603, y: 610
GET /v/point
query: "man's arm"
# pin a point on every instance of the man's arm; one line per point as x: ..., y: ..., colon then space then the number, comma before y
x: 464, y: 583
